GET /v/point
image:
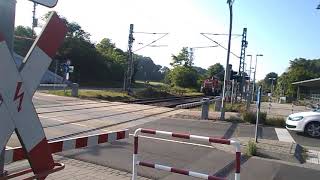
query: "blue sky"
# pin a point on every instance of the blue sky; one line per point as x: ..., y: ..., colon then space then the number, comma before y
x: 281, y: 30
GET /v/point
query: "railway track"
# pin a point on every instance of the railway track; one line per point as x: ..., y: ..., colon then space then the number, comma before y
x: 170, y: 102
x: 79, y: 107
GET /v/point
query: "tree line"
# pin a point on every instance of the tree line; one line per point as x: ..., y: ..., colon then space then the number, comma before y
x: 299, y: 69
x: 104, y: 64
x: 100, y: 64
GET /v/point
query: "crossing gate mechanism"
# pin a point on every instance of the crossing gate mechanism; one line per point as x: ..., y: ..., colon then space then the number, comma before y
x: 136, y: 161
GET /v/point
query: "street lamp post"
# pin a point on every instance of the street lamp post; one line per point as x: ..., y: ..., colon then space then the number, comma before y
x: 254, y: 76
x: 249, y: 99
x: 227, y: 73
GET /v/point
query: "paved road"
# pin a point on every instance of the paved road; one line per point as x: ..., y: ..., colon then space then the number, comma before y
x: 63, y: 116
x: 204, y: 159
x: 57, y: 114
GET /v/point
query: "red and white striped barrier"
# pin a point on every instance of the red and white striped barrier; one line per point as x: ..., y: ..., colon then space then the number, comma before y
x: 17, y: 154
x: 136, y: 161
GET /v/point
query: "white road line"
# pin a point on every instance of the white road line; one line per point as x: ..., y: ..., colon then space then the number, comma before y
x: 284, y: 135
x: 313, y: 157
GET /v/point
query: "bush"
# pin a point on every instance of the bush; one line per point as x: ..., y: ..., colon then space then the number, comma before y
x: 277, y: 122
x: 182, y: 76
x: 251, y: 117
x: 240, y: 108
x: 251, y: 148
x: 152, y: 93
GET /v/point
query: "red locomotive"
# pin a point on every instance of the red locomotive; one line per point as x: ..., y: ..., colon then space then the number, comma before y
x: 211, y: 86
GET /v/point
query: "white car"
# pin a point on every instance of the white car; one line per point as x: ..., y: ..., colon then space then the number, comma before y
x: 307, y: 122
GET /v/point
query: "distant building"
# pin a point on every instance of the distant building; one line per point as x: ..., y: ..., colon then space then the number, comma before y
x: 48, y: 78
x: 309, y: 89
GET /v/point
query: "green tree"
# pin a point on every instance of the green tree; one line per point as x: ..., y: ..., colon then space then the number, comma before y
x: 182, y: 59
x: 216, y: 70
x: 110, y: 51
x: 300, y: 69
x: 147, y: 70
x: 183, y: 77
x: 23, y: 40
x: 267, y: 81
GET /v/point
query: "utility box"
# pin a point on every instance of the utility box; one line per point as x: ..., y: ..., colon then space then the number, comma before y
x: 74, y: 89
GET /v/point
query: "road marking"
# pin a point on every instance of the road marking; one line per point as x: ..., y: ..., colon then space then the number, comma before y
x: 284, y: 135
x: 313, y: 157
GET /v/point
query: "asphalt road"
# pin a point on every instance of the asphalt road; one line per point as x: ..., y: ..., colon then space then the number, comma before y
x: 205, y: 159
x: 62, y: 116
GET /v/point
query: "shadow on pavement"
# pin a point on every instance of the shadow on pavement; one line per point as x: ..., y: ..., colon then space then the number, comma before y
x: 228, y: 169
x: 230, y: 131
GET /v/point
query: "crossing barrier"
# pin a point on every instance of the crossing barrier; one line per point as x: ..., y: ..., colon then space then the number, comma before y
x: 136, y: 161
x: 17, y: 154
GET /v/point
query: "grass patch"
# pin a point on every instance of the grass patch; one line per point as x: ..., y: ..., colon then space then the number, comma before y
x: 277, y: 122
x: 235, y: 119
x: 151, y: 92
x: 239, y: 107
x: 251, y: 149
x: 304, y: 154
x: 149, y: 83
x: 95, y: 94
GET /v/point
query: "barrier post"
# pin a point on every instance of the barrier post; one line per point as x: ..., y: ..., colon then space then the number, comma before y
x: 2, y: 172
x: 205, y: 108
x: 238, y: 159
x: 135, y: 154
x: 74, y: 89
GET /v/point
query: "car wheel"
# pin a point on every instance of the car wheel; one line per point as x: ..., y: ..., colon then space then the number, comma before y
x: 313, y: 129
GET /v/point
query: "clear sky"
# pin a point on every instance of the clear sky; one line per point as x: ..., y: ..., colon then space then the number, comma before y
x: 281, y: 30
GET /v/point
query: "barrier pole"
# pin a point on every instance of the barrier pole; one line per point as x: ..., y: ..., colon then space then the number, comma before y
x: 238, y: 159
x: 136, y: 162
x: 135, y: 154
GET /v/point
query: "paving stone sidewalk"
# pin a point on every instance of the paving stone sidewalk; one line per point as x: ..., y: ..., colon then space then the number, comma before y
x: 78, y: 170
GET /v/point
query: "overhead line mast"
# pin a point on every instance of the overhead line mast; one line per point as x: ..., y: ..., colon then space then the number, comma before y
x: 128, y: 76
x: 244, y: 45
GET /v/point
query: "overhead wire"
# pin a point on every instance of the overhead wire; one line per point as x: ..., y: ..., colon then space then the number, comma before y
x: 165, y: 34
x: 203, y: 34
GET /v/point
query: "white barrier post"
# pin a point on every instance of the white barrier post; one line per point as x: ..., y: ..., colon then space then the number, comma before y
x: 238, y: 159
x: 135, y: 154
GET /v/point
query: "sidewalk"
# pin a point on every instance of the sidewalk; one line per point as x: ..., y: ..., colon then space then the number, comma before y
x: 278, y: 150
x: 79, y: 170
x: 196, y: 114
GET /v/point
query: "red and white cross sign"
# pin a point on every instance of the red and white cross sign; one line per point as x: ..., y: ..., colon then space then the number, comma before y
x: 17, y: 87
x: 48, y: 3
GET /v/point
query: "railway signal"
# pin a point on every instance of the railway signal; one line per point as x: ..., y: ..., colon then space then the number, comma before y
x: 234, y: 75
